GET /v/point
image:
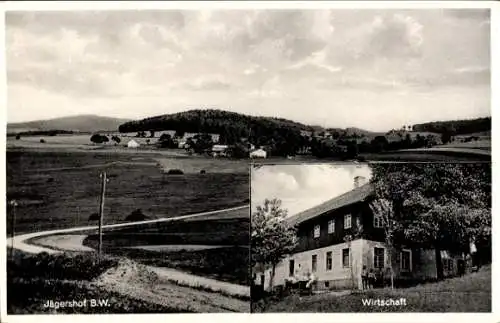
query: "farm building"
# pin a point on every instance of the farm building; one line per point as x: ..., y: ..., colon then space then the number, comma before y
x: 133, y: 144
x: 259, y: 153
x: 337, y: 264
x: 220, y: 150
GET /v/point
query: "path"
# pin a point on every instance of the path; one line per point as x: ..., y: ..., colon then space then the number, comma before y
x: 20, y: 243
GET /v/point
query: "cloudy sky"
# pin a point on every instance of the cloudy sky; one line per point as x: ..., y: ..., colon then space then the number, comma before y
x: 300, y: 187
x: 375, y: 69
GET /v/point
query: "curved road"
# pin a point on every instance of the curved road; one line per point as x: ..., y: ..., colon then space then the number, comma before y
x: 179, y: 277
x: 19, y: 242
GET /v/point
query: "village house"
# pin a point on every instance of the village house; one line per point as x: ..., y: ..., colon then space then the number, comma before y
x: 220, y: 150
x: 133, y: 144
x: 337, y: 264
x: 258, y: 153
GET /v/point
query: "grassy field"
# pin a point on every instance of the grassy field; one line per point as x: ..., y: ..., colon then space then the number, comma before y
x: 123, y: 286
x: 227, y: 263
x: 484, y: 144
x: 32, y: 280
x: 54, y: 191
x: 470, y: 293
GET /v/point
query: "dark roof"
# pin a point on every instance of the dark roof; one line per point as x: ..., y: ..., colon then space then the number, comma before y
x: 356, y: 195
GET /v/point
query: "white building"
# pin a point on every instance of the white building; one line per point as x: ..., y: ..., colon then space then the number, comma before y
x: 259, y: 153
x: 219, y: 150
x: 133, y: 144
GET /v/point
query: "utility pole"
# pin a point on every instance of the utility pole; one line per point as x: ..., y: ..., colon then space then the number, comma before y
x: 101, y: 209
x: 13, y: 203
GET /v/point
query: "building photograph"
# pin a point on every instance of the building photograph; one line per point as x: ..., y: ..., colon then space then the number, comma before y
x: 332, y: 234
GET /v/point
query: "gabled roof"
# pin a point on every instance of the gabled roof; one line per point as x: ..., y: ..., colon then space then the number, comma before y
x: 356, y: 195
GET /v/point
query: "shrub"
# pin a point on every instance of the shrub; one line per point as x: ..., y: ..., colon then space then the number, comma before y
x: 42, y: 141
x: 175, y: 172
x: 76, y: 266
x: 137, y: 215
x: 94, y: 217
x: 202, y: 171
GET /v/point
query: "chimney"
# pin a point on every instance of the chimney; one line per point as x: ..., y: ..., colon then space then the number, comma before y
x: 359, y: 181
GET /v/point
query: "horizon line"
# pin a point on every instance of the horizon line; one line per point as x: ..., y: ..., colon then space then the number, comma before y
x: 293, y: 120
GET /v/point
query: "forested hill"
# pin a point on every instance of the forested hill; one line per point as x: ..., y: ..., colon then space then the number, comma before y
x: 456, y: 127
x: 216, y: 121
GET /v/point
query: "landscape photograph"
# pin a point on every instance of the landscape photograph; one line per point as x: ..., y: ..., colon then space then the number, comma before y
x: 131, y: 137
x: 378, y: 237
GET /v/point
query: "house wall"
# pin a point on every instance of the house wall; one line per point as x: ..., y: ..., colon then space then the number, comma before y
x: 338, y: 277
x: 305, y: 231
x: 423, y: 265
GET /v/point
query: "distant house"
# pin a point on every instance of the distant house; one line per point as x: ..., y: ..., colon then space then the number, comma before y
x: 305, y: 133
x: 258, y: 153
x: 220, y: 150
x: 182, y: 144
x: 133, y: 144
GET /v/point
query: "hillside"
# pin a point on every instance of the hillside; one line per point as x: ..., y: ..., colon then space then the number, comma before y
x: 231, y: 127
x: 456, y: 127
x: 208, y: 120
x: 80, y: 123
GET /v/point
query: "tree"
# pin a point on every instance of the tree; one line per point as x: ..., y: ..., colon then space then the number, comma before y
x: 240, y: 150
x: 96, y: 138
x: 116, y: 139
x: 166, y: 141
x: 203, y: 143
x: 379, y: 144
x: 272, y: 238
x: 356, y: 232
x: 435, y: 205
x: 446, y: 137
x: 383, y: 208
x: 179, y: 133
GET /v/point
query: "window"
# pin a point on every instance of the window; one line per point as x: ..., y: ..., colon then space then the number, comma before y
x: 329, y: 261
x: 378, y: 221
x: 316, y: 231
x: 448, y: 264
x: 291, y: 268
x: 406, y: 260
x: 378, y: 257
x: 331, y: 226
x: 347, y: 221
x: 345, y: 258
x: 314, y: 264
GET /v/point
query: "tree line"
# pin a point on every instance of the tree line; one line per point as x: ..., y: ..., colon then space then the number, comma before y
x: 456, y: 127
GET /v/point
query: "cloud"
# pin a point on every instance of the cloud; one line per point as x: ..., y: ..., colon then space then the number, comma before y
x: 303, y: 186
x: 271, y: 62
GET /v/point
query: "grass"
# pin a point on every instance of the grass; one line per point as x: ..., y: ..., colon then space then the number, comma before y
x: 229, y: 263
x: 426, y: 156
x: 33, y: 280
x: 484, y: 144
x: 52, y: 199
x: 470, y: 293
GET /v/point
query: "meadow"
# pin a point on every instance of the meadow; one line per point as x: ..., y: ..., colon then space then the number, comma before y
x: 224, y: 254
x: 470, y: 293
x: 61, y: 189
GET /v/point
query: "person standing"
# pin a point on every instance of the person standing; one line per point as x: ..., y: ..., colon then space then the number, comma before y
x: 364, y: 278
x: 371, y: 279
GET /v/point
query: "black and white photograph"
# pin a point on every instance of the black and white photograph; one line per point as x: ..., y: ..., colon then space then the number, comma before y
x: 380, y: 237
x: 172, y: 157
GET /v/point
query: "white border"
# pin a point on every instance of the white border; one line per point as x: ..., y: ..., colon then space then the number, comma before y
x: 195, y: 5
